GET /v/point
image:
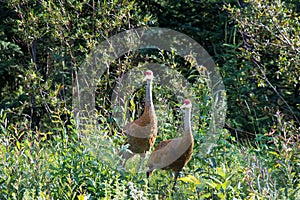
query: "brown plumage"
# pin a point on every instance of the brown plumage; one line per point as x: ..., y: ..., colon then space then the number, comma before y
x: 175, y: 153
x: 142, y: 132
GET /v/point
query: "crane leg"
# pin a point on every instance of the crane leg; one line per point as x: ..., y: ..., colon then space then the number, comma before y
x: 125, y: 155
x: 149, y: 173
x: 175, y: 180
x: 148, y: 177
x: 142, y: 157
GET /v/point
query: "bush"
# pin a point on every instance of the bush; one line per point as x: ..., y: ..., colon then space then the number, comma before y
x: 262, y: 62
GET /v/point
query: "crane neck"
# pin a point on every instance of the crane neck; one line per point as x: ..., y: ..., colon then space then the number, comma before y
x: 187, y: 123
x: 149, y: 101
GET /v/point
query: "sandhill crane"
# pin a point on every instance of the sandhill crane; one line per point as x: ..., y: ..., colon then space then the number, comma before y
x: 142, y: 132
x: 175, y: 153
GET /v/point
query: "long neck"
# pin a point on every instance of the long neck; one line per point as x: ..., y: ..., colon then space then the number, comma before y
x: 149, y: 101
x: 187, y: 123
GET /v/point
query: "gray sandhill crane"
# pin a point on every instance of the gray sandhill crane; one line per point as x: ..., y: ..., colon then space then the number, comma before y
x: 175, y: 153
x: 142, y: 132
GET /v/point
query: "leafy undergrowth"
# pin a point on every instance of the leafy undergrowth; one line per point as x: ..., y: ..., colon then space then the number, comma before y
x: 65, y: 167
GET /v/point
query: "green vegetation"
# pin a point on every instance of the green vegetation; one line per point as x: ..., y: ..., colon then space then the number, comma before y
x: 255, y: 44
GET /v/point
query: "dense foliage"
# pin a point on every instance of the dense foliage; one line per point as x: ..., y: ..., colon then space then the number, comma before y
x: 255, y: 44
x: 266, y: 61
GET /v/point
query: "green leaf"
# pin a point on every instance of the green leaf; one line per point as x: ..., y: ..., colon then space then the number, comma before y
x: 190, y: 179
x: 212, y: 184
x: 221, y: 172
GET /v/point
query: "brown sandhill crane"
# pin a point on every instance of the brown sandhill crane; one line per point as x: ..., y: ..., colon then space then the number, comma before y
x: 142, y: 132
x: 175, y: 153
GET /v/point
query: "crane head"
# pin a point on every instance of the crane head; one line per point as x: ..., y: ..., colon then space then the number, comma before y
x: 148, y: 75
x: 186, y: 104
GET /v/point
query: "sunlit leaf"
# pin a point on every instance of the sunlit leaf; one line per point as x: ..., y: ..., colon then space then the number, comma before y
x: 190, y: 179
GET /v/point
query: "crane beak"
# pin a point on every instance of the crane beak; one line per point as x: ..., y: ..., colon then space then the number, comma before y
x: 183, y: 106
x: 147, y: 77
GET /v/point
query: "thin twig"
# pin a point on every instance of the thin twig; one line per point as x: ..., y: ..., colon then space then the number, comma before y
x: 238, y: 130
x: 264, y: 77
